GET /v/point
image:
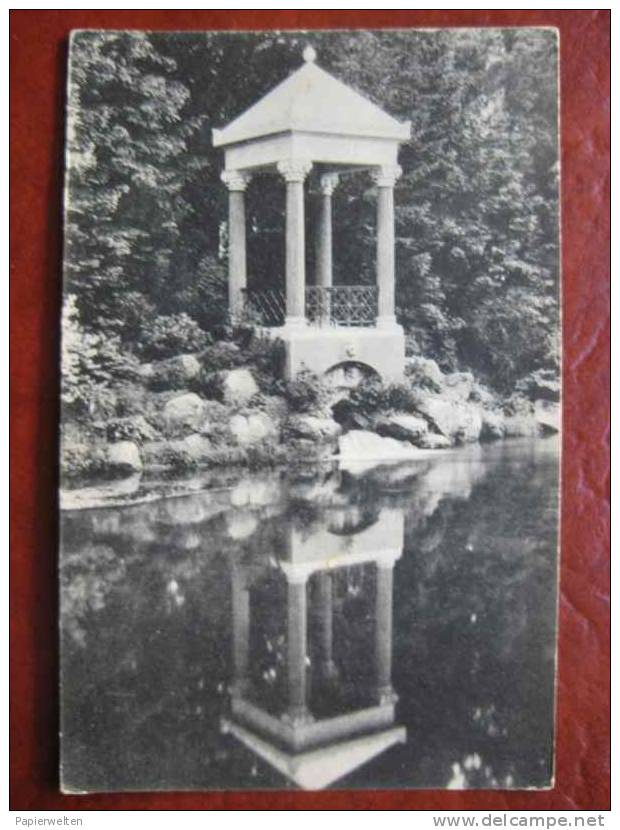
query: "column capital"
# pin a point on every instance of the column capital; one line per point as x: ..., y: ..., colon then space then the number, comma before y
x: 235, y: 179
x: 386, y: 175
x: 294, y: 170
x: 296, y: 574
x: 329, y: 182
x: 387, y: 559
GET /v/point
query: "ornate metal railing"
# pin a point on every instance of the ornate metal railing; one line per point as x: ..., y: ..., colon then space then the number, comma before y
x: 342, y: 305
x: 337, y: 305
x: 264, y: 308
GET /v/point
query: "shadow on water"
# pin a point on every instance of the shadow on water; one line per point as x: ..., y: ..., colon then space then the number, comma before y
x: 390, y: 626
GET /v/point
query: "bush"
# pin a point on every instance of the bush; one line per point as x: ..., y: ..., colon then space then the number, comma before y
x: 543, y: 383
x: 131, y: 399
x: 208, y: 385
x: 264, y: 356
x: 78, y: 461
x: 208, y: 294
x: 221, y: 356
x: 267, y: 358
x: 399, y: 396
x: 168, y: 336
x: 174, y: 373
x: 370, y: 398
x: 135, y: 429
x: 91, y: 363
x: 177, y: 459
x: 306, y: 393
x: 423, y: 373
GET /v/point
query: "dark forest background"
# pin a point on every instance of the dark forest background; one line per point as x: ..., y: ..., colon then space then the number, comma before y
x: 476, y: 208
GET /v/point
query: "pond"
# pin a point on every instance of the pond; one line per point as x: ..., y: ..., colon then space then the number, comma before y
x: 387, y: 625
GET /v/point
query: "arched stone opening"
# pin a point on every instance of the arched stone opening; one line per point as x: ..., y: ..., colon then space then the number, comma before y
x: 353, y: 519
x: 343, y: 378
x: 349, y: 374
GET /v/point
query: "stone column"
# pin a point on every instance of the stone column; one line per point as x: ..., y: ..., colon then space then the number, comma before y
x: 324, y: 263
x: 324, y: 247
x: 297, y: 711
x: 294, y: 172
x: 241, y: 632
x: 325, y: 610
x: 236, y: 182
x: 385, y: 178
x: 383, y: 633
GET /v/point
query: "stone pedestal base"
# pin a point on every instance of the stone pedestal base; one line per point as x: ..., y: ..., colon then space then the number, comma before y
x: 322, y: 348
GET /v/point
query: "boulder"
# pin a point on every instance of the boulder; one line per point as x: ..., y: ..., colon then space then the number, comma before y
x: 187, y: 510
x: 424, y: 372
x: 240, y: 524
x: 548, y: 415
x: 186, y: 365
x: 345, y: 414
x: 458, y: 385
x: 252, y: 429
x: 146, y: 371
x: 543, y: 384
x: 184, y: 412
x: 517, y: 404
x: 401, y: 426
x: 196, y: 446
x: 433, y: 441
x: 238, y: 386
x: 493, y: 425
x: 521, y: 425
x: 255, y: 492
x: 124, y: 456
x: 172, y: 373
x: 459, y: 421
x: 363, y: 445
x: 314, y: 428
x: 480, y: 394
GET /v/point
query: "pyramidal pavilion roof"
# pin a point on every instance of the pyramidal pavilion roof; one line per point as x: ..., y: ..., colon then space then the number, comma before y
x: 312, y: 100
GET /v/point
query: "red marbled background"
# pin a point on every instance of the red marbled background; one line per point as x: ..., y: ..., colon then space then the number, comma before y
x: 38, y: 51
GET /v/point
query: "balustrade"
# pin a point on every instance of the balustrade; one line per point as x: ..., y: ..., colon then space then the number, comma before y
x: 334, y: 305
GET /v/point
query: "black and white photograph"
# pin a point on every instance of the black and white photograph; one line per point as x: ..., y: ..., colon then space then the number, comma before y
x: 310, y: 410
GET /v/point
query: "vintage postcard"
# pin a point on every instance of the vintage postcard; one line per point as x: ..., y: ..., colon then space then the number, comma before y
x: 310, y: 410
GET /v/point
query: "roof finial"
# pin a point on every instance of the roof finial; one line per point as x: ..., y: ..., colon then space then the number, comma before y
x: 309, y: 54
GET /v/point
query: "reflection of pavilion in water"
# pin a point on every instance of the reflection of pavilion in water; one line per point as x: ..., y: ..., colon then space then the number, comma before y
x: 312, y: 648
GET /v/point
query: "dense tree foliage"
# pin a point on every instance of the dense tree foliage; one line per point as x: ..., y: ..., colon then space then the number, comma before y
x: 476, y: 208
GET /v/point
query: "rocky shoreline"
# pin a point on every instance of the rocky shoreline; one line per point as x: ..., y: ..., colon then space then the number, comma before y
x: 180, y: 416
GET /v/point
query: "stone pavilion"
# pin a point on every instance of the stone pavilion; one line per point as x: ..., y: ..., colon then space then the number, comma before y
x: 312, y: 120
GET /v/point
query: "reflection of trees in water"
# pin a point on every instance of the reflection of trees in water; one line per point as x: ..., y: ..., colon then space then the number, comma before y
x: 354, y: 590
x: 268, y: 640
x: 474, y: 629
x: 86, y: 577
x: 145, y: 686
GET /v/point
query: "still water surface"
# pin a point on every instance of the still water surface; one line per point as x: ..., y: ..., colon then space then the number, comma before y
x: 377, y: 626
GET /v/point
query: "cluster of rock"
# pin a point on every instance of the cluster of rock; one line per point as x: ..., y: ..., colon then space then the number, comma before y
x: 454, y: 409
x: 176, y: 426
